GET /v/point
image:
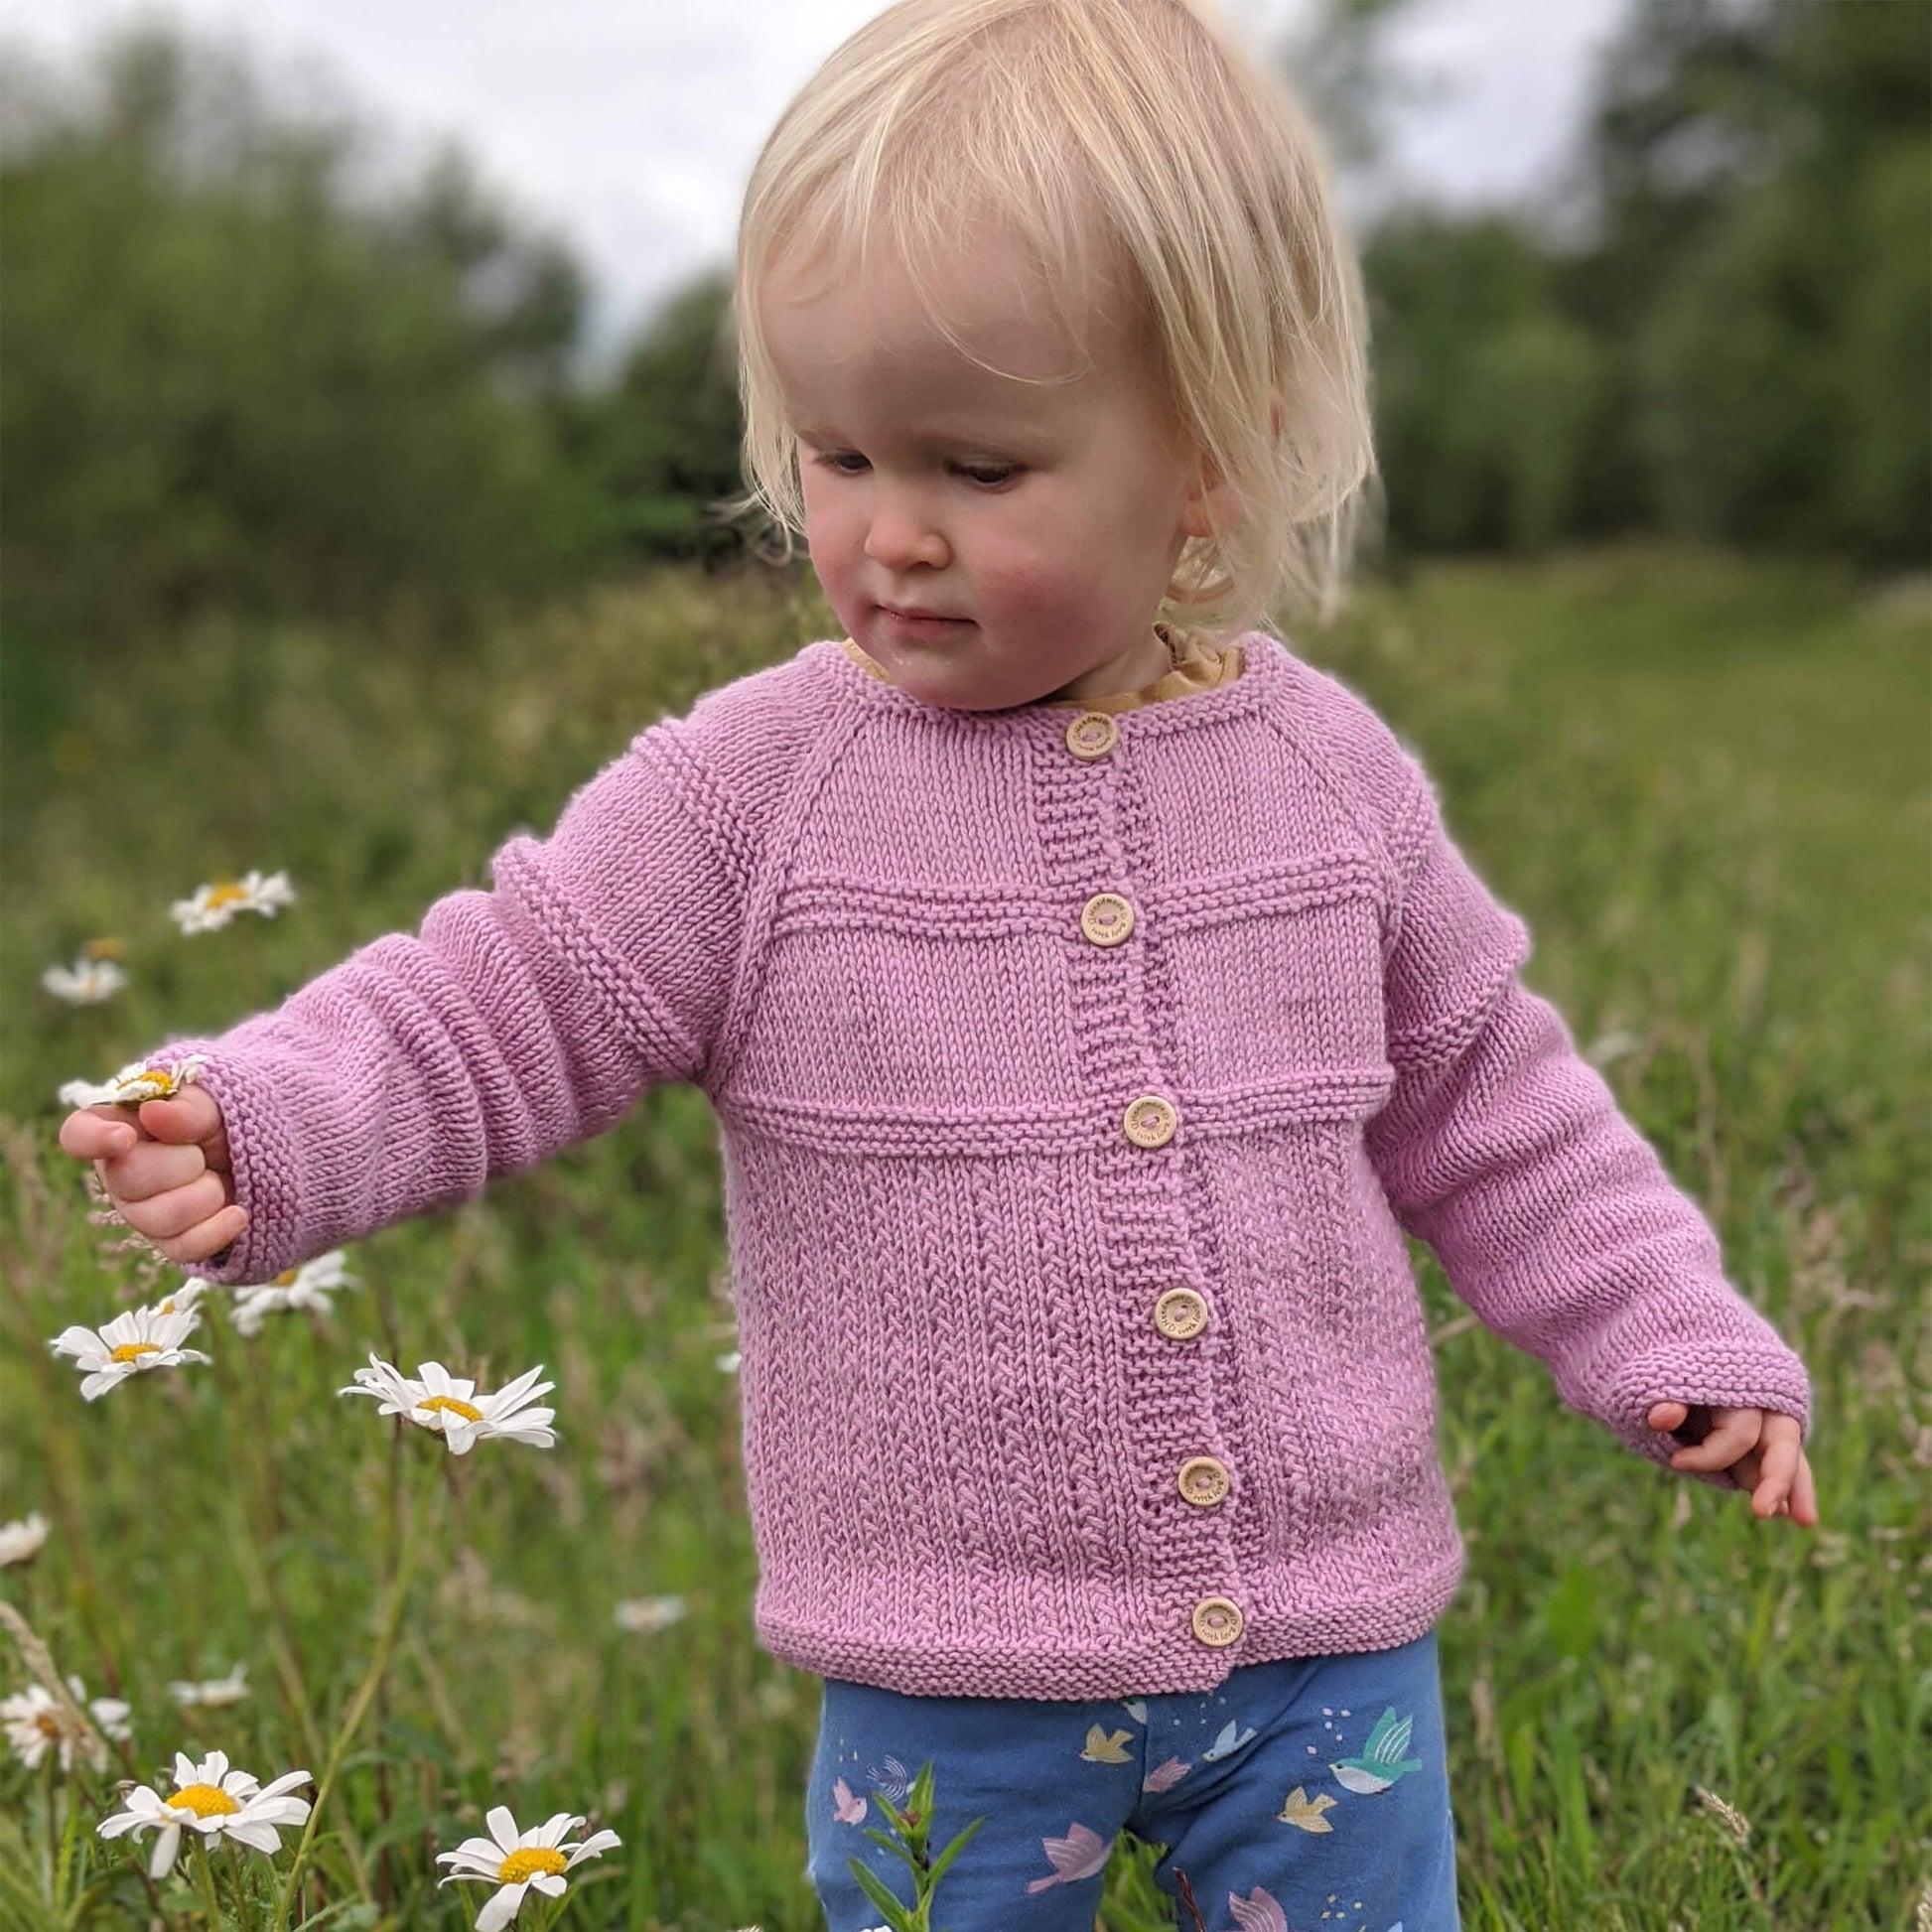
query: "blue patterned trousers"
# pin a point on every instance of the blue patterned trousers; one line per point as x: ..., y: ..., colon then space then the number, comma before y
x: 1310, y: 1795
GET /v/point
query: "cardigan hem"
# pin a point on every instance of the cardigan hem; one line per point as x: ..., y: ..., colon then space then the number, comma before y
x: 1164, y: 1663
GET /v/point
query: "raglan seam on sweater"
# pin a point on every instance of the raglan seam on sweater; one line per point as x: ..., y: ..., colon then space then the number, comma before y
x: 807, y: 777
x: 1347, y: 795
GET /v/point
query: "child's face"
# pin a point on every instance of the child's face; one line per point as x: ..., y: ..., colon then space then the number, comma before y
x: 1057, y: 570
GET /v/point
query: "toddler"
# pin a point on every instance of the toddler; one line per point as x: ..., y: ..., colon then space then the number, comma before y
x: 1090, y: 999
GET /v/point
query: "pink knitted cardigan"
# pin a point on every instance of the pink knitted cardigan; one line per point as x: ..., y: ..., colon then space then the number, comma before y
x: 1077, y: 1077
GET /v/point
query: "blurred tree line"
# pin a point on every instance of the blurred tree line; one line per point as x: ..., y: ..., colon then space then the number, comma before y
x: 233, y: 376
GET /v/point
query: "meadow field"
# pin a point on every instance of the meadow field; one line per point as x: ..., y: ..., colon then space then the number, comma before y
x: 1706, y: 784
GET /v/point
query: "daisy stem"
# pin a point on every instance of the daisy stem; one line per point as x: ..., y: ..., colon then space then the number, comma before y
x: 205, y: 1873
x: 53, y: 1763
x: 404, y: 1570
x: 237, y: 1886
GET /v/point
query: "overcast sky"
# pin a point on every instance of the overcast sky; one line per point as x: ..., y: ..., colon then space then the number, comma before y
x: 629, y: 126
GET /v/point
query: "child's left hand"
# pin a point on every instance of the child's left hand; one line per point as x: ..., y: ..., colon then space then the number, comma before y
x: 1762, y: 1449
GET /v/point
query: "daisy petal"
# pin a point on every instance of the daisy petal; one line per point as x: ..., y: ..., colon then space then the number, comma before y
x: 500, y: 1909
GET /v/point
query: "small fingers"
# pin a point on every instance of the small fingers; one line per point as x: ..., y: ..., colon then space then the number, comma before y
x: 207, y: 1237
x: 1771, y: 1484
x: 188, y: 1114
x: 1804, y: 1497
x: 92, y: 1133
x: 163, y: 1217
x: 1733, y: 1432
x: 1667, y: 1415
x: 149, y: 1169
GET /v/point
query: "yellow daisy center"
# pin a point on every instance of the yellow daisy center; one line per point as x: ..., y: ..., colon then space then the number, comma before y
x: 162, y: 1078
x: 527, y: 1862
x: 131, y: 1350
x: 286, y: 1279
x: 225, y: 892
x: 204, y: 1800
x: 453, y: 1406
x: 48, y: 1725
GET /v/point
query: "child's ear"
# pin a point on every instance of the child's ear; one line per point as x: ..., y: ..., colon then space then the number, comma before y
x: 1212, y: 506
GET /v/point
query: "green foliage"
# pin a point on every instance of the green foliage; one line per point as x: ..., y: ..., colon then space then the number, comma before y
x: 1703, y: 785
x: 1488, y: 395
x: 907, y: 1843
x: 662, y: 447
x: 239, y: 380
x: 227, y: 385
x: 1730, y: 340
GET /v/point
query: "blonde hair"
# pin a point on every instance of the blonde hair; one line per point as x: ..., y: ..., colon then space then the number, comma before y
x: 1132, y: 143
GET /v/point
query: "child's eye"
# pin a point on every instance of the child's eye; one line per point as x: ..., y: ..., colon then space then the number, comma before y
x: 989, y: 477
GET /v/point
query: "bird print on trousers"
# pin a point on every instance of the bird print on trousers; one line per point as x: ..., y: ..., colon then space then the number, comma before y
x: 1227, y: 1744
x: 1081, y: 1854
x: 1380, y: 1761
x: 1307, y: 1812
x: 1258, y: 1912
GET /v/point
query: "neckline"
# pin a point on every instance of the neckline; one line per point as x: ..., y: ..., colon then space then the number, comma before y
x: 1263, y: 662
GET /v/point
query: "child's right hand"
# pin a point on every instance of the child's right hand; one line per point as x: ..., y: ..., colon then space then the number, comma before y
x: 164, y: 1166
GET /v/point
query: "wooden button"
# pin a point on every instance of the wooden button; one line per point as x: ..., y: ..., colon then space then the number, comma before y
x: 1106, y: 918
x: 1091, y: 735
x: 1181, y: 1313
x: 1203, y: 1481
x: 1150, y: 1121
x: 1217, y: 1621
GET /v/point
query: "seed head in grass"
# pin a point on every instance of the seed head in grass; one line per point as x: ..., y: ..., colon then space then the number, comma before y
x: 1738, y: 1824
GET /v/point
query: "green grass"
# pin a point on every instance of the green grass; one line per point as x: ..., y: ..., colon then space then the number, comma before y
x: 1703, y: 784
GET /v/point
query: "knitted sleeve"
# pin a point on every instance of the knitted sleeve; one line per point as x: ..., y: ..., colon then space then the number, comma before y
x: 515, y: 1021
x: 1504, y: 1151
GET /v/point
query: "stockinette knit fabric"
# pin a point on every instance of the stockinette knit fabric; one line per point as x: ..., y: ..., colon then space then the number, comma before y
x: 1078, y: 1074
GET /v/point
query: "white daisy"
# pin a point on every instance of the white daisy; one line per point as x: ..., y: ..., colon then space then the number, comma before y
x: 647, y: 1613
x: 306, y: 1287
x: 135, y: 1341
x: 215, y: 906
x: 214, y: 1691
x: 216, y: 1802
x: 88, y: 983
x: 518, y: 1860
x: 36, y: 1718
x: 136, y: 1081
x: 22, y: 1540
x: 449, y: 1403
